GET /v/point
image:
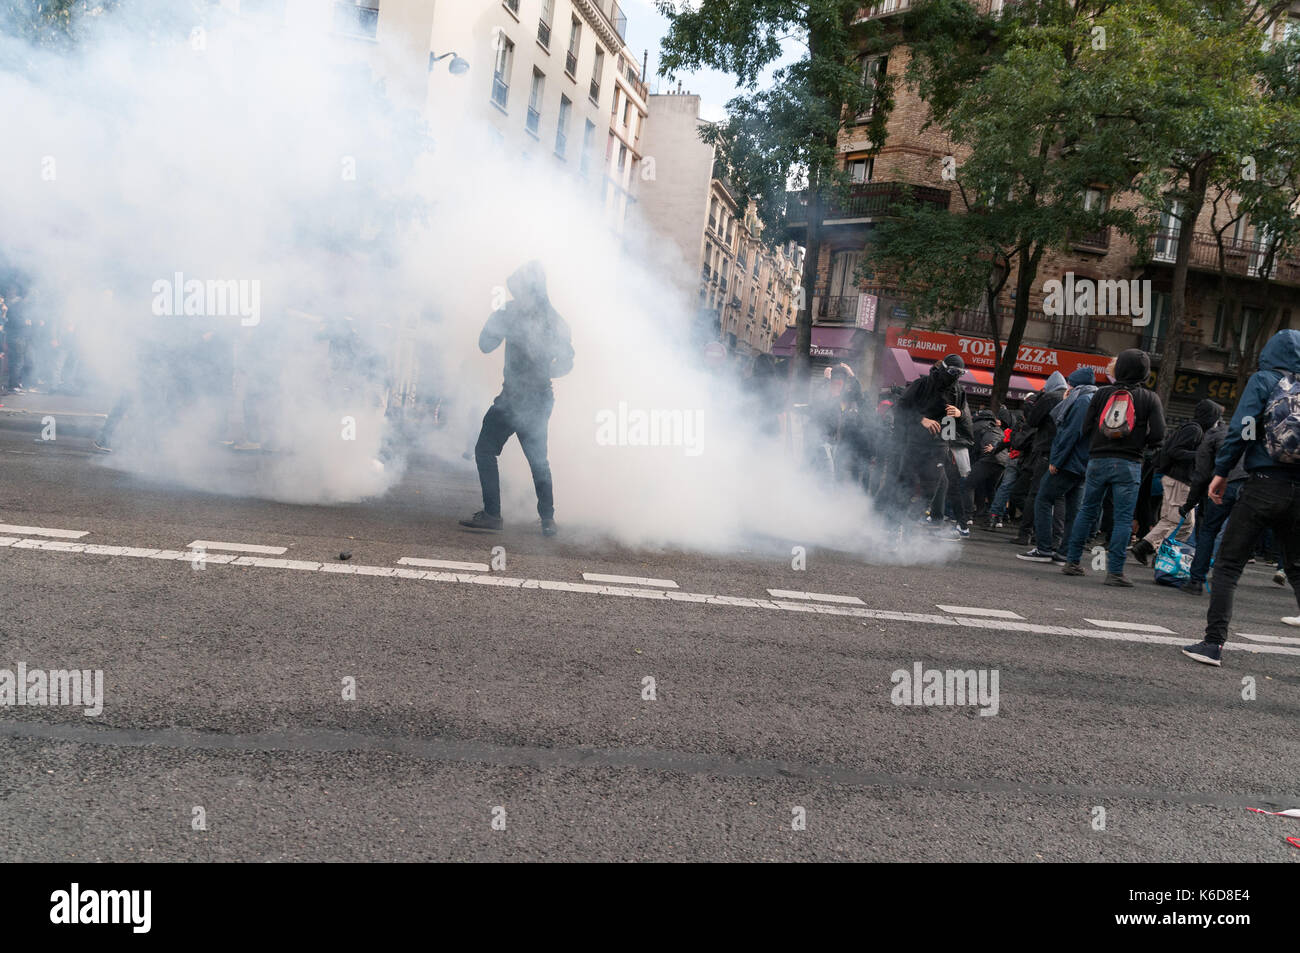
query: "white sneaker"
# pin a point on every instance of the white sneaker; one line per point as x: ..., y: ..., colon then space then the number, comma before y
x: 1291, y: 620
x: 1279, y: 578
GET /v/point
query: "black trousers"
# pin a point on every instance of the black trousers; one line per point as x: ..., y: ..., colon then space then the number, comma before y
x: 502, y: 421
x: 920, y: 469
x: 1264, y: 501
x: 1027, y: 516
x: 983, y: 480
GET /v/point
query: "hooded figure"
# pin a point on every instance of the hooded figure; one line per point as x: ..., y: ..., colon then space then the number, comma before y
x: 537, y: 349
x: 1269, y: 497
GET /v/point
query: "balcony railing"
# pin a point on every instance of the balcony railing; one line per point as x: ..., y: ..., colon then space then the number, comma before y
x: 1245, y: 259
x: 1073, y: 331
x: 534, y: 120
x: 544, y: 33
x: 1099, y: 239
x: 611, y: 11
x: 355, y: 20
x: 886, y: 7
x: 594, y: 92
x: 571, y: 64
x: 871, y: 199
x: 837, y: 308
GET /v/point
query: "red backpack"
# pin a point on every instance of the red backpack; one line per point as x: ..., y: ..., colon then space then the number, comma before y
x: 1117, y: 417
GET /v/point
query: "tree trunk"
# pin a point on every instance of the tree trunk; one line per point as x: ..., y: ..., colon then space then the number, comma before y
x: 1020, y: 318
x: 802, y: 363
x: 1198, y: 182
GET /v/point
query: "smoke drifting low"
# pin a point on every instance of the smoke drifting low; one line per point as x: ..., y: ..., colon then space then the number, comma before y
x: 253, y: 242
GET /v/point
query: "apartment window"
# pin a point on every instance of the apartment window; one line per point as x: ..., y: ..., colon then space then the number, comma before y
x: 844, y: 269
x: 512, y: 6
x: 534, y: 121
x: 713, y: 215
x: 357, y: 17
x: 622, y: 157
x: 575, y: 40
x: 874, y: 69
x: 544, y: 24
x: 562, y: 126
x: 505, y: 59
x: 596, y: 70
x: 1094, y: 200
x: 1171, y: 224
x: 588, y: 135
x: 861, y: 170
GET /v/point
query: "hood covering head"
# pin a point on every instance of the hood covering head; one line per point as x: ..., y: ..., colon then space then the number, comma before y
x: 985, y: 415
x: 528, y: 284
x: 1054, y: 383
x: 949, y: 369
x: 1281, y: 353
x: 1132, y: 366
x: 1207, y: 414
x: 1081, y: 376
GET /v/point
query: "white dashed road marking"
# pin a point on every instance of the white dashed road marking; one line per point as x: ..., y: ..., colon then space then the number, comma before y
x: 1134, y: 632
x: 629, y: 580
x: 977, y: 610
x: 1273, y: 639
x: 1131, y: 626
x: 43, y: 531
x: 239, y: 547
x: 442, y: 564
x: 814, y: 596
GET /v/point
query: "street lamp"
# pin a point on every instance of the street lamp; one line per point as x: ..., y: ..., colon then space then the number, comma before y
x: 457, y: 66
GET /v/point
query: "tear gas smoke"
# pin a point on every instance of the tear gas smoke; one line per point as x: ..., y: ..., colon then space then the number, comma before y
x: 255, y: 243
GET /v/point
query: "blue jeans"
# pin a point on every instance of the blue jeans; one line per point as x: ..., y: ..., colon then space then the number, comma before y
x: 1003, y: 495
x: 1209, y: 520
x: 1124, y: 478
x: 1056, y: 486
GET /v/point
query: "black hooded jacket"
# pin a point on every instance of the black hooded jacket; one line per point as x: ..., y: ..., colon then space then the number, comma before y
x: 1131, y: 370
x: 929, y: 397
x: 1178, y: 456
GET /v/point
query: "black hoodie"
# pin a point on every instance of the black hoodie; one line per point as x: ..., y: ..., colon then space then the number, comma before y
x: 929, y: 397
x: 1178, y: 456
x: 1131, y: 370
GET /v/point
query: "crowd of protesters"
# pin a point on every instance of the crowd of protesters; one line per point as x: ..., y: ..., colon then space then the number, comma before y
x: 1082, y: 464
x: 38, y: 354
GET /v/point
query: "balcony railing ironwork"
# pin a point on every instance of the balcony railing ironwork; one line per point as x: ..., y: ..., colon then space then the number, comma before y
x: 1245, y: 259
x: 871, y: 199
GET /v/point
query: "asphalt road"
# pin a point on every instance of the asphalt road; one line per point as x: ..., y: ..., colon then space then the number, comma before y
x: 518, y: 694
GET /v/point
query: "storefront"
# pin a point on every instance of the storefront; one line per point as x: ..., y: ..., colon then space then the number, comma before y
x: 831, y: 344
x: 910, y: 352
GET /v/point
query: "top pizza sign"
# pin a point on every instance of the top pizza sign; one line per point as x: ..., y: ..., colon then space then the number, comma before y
x: 978, y: 352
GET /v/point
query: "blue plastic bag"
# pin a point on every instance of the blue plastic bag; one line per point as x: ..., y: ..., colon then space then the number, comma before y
x: 1173, y: 563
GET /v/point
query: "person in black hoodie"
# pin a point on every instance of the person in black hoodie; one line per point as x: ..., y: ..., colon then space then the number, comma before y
x: 987, y: 469
x: 1123, y: 419
x: 923, y: 429
x: 1041, y: 422
x: 1176, y: 461
x: 1210, y: 516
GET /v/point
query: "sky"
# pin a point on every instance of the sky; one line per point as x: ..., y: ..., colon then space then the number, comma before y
x: 646, y: 28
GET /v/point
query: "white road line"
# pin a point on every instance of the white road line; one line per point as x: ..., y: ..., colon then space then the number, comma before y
x: 814, y: 596
x: 919, y: 618
x: 8, y: 540
x: 442, y: 564
x: 629, y: 580
x: 240, y: 547
x: 1274, y: 639
x: 977, y: 610
x: 1130, y: 626
x: 43, y: 531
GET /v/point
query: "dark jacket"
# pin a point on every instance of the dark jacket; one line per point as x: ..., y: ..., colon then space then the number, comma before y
x: 1280, y: 355
x: 1131, y: 370
x: 929, y: 397
x: 1069, y: 451
x: 1040, y: 419
x: 1177, y: 458
x: 988, y: 433
x: 1203, y: 468
x: 537, y: 340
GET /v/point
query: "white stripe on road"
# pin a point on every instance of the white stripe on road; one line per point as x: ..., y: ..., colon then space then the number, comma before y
x: 240, y: 547
x: 442, y: 564
x: 1274, y: 639
x: 1131, y: 626
x: 920, y: 618
x: 8, y: 540
x: 629, y: 580
x: 814, y: 596
x: 976, y: 610
x: 43, y: 531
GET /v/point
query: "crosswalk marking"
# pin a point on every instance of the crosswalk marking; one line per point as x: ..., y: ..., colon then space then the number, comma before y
x: 442, y: 564
x: 629, y: 580
x: 240, y: 547
x: 1273, y: 639
x: 814, y: 596
x: 979, y: 610
x: 43, y: 531
x: 1131, y: 626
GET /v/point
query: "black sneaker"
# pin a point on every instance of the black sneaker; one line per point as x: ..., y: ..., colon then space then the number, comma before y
x: 549, y: 528
x: 1139, y: 551
x: 1190, y: 588
x: 1206, y: 653
x: 1071, y: 569
x: 481, y: 520
x: 1114, y: 579
x: 1036, y: 555
x: 1059, y: 559
x: 1019, y: 540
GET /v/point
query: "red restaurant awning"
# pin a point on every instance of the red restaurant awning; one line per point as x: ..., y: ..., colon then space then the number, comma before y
x: 832, y: 342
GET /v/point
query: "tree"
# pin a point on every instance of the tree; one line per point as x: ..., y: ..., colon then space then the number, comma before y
x: 791, y: 130
x: 1033, y: 102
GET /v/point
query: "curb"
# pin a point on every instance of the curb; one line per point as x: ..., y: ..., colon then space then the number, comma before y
x: 77, y: 425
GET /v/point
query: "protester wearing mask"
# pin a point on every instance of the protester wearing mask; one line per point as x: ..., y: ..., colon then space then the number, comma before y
x: 1067, y: 463
x: 930, y: 410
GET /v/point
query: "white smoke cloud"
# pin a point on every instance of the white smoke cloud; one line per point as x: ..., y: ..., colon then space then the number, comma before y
x: 259, y: 159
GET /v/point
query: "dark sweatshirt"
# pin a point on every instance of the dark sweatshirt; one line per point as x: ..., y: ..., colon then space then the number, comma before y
x: 1131, y: 370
